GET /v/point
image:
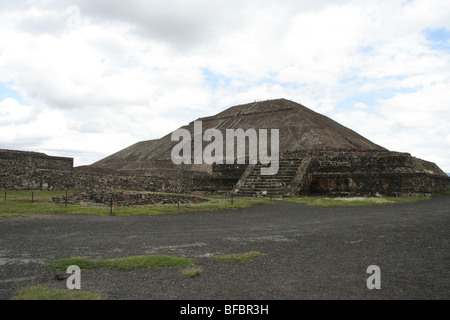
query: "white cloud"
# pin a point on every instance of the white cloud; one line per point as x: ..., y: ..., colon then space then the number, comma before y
x: 12, y: 112
x: 416, y: 122
x: 134, y: 71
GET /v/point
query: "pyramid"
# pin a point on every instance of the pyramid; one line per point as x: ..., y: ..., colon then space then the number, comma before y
x: 299, y: 128
x: 317, y: 156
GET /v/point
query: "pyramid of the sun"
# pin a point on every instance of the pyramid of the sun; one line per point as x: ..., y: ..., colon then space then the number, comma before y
x: 317, y: 156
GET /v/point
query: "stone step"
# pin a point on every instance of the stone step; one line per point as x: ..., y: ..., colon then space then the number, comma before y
x: 268, y: 184
x: 277, y: 176
x: 256, y: 194
x: 273, y: 191
x: 280, y: 167
x: 257, y: 179
x: 280, y: 164
x: 277, y: 190
x: 290, y: 160
x: 276, y: 185
x: 261, y: 189
x: 257, y: 173
x: 253, y: 187
x: 283, y: 174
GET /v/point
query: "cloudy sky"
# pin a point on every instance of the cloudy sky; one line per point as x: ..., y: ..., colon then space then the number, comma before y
x: 84, y: 78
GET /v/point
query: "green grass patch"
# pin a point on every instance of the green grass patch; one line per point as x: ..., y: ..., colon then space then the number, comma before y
x: 360, y: 201
x: 192, y: 272
x: 443, y: 192
x: 127, y: 263
x: 44, y: 293
x: 61, y: 265
x: 353, y: 201
x: 9, y: 215
x: 239, y: 257
x: 20, y: 202
x: 36, y: 195
x: 147, y: 262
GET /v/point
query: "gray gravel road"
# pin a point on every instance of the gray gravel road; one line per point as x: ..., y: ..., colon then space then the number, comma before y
x: 311, y: 252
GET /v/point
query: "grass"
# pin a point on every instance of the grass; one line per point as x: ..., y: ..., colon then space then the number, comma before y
x: 239, y: 257
x: 443, y: 192
x: 353, y: 201
x: 35, y: 195
x: 61, y: 265
x: 360, y: 201
x: 192, y: 272
x: 20, y: 202
x: 9, y: 215
x: 43, y: 293
x: 127, y: 263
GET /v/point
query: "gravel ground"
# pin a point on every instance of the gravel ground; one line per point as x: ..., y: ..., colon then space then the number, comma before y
x: 312, y: 253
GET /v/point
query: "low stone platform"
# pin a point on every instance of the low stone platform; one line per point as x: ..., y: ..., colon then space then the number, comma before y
x: 124, y: 198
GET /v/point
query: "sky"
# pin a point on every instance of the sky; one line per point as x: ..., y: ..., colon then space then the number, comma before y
x: 85, y: 79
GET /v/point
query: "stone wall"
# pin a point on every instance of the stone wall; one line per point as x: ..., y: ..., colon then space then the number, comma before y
x: 91, y: 178
x: 34, y: 171
x: 404, y: 184
x: 221, y: 179
x: 324, y: 173
x: 370, y: 173
x: 124, y: 198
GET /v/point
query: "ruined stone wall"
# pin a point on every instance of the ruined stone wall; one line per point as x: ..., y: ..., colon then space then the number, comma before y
x: 90, y: 178
x: 222, y: 179
x: 324, y: 173
x: 121, y: 198
x: 371, y: 173
x: 404, y: 184
x: 34, y: 171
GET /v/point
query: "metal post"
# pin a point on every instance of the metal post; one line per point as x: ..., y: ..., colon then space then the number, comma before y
x: 66, y: 199
x: 232, y: 198
x: 32, y: 196
x: 111, y: 207
x: 5, y: 195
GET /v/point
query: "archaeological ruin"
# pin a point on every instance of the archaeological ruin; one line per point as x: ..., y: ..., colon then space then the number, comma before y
x: 22, y: 170
x: 317, y: 156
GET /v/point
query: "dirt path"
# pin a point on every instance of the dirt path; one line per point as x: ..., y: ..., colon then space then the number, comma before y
x: 312, y: 252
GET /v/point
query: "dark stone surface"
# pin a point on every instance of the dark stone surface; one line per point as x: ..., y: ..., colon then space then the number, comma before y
x: 311, y: 252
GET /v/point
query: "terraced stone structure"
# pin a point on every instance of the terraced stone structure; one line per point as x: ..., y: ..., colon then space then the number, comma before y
x: 318, y: 156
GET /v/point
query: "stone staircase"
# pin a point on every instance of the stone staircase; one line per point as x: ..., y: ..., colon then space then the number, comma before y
x: 231, y: 122
x: 253, y: 184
